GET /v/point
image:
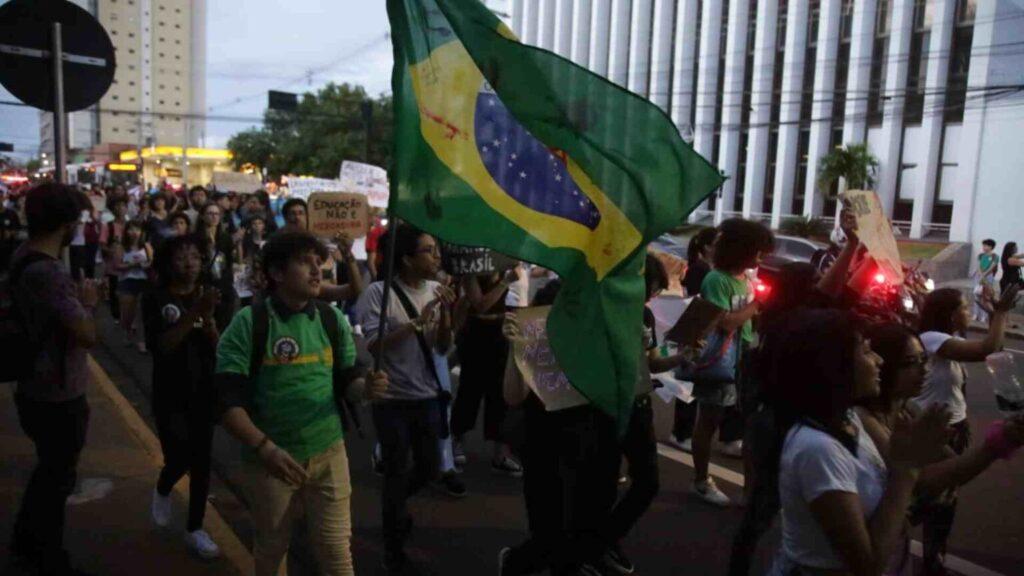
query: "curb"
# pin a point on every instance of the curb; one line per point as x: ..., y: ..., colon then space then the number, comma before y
x: 231, y: 547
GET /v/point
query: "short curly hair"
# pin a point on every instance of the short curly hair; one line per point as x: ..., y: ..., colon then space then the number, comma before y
x: 739, y: 242
x: 282, y: 247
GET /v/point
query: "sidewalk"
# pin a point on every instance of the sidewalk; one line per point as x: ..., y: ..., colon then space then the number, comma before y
x: 112, y: 533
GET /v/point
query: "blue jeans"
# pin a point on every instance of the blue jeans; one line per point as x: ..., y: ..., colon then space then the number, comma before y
x: 404, y: 426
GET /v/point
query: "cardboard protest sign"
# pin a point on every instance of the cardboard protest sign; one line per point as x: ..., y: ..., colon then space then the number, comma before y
x: 366, y: 179
x: 237, y: 182
x: 303, y: 187
x: 695, y: 323
x: 333, y: 213
x: 875, y: 231
x: 468, y: 260
x: 537, y: 364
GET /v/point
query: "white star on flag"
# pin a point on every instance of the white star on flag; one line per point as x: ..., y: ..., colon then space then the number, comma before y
x: 558, y: 177
x: 522, y: 174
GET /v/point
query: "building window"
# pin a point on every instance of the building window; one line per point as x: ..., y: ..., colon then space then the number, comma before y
x: 131, y: 34
x: 879, y: 66
x: 917, y: 69
x: 960, y: 61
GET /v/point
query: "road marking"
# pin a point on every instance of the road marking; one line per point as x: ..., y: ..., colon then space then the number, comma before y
x: 954, y: 563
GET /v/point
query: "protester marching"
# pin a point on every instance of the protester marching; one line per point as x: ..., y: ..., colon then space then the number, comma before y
x: 515, y: 272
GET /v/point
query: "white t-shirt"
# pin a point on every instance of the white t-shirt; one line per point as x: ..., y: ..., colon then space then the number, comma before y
x: 945, y: 379
x: 813, y: 463
x: 410, y: 376
x: 518, y: 295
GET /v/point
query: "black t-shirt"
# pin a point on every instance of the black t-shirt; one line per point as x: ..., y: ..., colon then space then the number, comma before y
x: 182, y: 378
x: 650, y: 329
x: 695, y: 273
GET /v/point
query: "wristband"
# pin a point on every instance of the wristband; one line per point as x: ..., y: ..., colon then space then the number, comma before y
x: 997, y: 442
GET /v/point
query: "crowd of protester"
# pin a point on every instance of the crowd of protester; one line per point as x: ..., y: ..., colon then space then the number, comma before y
x: 852, y: 426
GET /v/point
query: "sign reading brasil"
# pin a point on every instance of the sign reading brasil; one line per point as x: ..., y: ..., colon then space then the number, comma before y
x: 469, y: 260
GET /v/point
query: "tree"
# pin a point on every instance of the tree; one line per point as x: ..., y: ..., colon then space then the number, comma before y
x: 854, y: 163
x: 252, y: 147
x: 326, y: 128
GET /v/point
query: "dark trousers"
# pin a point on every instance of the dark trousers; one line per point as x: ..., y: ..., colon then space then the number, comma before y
x: 764, y: 441
x: 404, y: 427
x: 483, y: 352
x: 640, y: 448
x: 112, y: 299
x: 58, y: 431
x: 571, y: 469
x: 684, y: 418
x: 83, y: 261
x: 187, y: 442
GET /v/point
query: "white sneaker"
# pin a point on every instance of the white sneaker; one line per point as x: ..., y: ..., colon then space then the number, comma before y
x: 161, y: 510
x: 732, y: 449
x: 201, y: 543
x: 684, y: 445
x: 710, y: 493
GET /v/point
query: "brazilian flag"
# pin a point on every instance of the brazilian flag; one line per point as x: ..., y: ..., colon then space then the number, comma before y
x: 517, y: 149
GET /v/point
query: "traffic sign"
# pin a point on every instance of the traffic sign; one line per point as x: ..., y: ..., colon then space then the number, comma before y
x: 26, y: 53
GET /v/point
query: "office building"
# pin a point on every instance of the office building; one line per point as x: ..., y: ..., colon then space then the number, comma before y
x: 764, y: 89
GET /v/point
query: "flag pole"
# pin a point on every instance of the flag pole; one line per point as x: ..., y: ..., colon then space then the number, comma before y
x: 389, y: 269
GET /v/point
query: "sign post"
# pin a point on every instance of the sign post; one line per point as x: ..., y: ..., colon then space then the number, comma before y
x: 59, y: 152
x: 57, y: 57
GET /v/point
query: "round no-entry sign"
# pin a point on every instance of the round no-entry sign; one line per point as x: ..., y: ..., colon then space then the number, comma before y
x: 26, y: 28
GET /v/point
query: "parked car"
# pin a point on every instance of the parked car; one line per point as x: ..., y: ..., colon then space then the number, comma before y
x: 788, y: 249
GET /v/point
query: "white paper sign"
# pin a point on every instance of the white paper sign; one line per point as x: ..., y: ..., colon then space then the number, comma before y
x: 366, y: 179
x: 237, y: 182
x: 303, y: 187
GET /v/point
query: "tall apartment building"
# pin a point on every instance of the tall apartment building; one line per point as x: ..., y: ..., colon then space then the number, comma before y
x: 765, y: 88
x: 159, y: 86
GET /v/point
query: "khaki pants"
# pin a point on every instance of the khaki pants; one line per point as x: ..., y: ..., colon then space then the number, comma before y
x: 324, y: 501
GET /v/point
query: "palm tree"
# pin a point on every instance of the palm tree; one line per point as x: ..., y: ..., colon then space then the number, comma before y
x: 854, y: 163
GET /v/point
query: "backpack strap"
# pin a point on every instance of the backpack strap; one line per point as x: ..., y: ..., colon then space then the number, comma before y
x: 339, y: 379
x: 260, y: 333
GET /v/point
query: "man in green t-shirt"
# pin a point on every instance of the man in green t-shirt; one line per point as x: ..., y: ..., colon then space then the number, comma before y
x: 286, y: 413
x: 740, y: 246
x: 988, y: 262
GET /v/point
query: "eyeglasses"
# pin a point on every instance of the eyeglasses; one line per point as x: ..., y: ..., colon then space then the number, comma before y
x: 917, y: 362
x: 432, y: 250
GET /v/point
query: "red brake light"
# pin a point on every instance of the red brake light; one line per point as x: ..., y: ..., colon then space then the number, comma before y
x: 879, y: 278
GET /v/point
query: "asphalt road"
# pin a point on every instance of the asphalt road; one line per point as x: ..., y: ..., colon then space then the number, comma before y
x: 679, y: 535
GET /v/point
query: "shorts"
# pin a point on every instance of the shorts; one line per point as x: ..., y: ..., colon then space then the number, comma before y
x: 132, y: 286
x: 715, y: 393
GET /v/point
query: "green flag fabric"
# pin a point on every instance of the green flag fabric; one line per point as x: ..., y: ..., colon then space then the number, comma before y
x: 512, y: 147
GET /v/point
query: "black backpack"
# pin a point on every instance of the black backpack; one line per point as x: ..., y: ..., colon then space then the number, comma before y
x: 15, y: 340
x: 261, y: 332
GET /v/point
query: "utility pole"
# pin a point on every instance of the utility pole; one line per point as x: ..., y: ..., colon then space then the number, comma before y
x: 59, y: 119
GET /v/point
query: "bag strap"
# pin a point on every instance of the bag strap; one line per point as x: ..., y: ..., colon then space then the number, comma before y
x: 413, y: 314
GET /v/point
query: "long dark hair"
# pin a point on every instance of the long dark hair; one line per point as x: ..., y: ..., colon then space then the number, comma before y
x: 700, y: 241
x: 142, y: 235
x: 809, y: 370
x: 938, y: 309
x: 890, y: 341
x: 1009, y: 251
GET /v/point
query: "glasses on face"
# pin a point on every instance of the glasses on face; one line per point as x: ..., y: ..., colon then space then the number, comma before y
x: 432, y: 250
x: 914, y: 362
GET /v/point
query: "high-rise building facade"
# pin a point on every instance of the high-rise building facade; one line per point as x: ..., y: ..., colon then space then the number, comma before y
x: 159, y: 90
x: 766, y: 88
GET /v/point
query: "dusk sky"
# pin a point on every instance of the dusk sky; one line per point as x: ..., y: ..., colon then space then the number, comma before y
x: 298, y: 45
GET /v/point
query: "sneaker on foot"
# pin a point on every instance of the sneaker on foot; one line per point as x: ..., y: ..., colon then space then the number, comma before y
x: 732, y: 449
x: 590, y: 570
x: 617, y: 560
x: 161, y: 510
x: 623, y: 479
x: 684, y: 445
x: 199, y: 542
x: 141, y: 347
x: 459, y: 454
x: 451, y: 485
x: 507, y: 465
x: 709, y: 492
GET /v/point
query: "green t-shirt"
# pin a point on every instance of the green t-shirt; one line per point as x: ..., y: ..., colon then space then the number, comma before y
x: 984, y: 261
x: 292, y: 399
x: 729, y: 293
